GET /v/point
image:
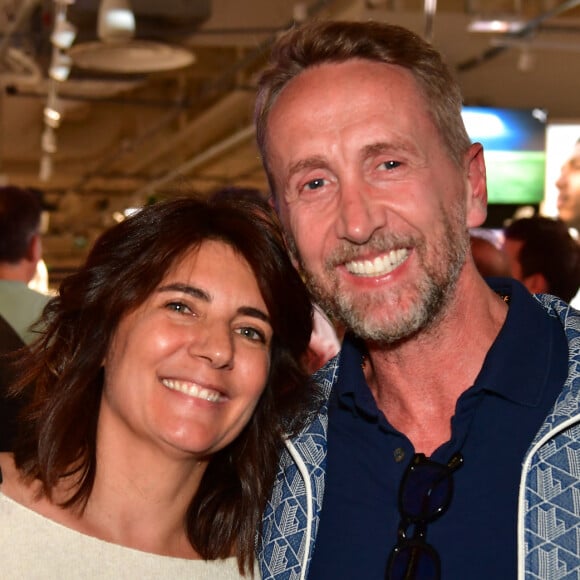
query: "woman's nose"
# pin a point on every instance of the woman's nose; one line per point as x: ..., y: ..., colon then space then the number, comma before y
x: 215, y: 344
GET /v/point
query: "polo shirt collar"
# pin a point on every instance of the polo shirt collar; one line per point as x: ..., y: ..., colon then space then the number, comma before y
x: 516, y: 366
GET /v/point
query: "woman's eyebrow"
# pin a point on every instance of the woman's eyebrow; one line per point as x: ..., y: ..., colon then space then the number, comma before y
x: 186, y: 289
x: 255, y: 312
x: 196, y: 292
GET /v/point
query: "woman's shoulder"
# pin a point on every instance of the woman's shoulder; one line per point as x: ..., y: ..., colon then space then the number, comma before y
x: 13, y: 485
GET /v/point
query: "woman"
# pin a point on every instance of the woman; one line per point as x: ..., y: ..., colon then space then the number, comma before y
x: 164, y: 383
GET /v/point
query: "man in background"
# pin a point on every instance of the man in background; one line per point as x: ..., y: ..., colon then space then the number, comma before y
x: 568, y: 185
x: 543, y: 256
x: 490, y: 260
x: 20, y: 251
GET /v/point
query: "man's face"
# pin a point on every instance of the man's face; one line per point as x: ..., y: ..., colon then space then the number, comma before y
x: 376, y: 210
x: 569, y: 186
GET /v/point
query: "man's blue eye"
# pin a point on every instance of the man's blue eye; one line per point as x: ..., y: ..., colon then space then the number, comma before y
x: 315, y: 183
x: 390, y: 164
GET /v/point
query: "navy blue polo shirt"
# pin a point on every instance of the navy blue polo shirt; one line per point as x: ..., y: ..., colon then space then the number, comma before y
x: 493, y: 426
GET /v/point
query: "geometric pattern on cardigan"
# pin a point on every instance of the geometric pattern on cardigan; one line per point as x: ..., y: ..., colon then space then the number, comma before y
x: 552, y: 488
x: 551, y: 510
x: 282, y: 545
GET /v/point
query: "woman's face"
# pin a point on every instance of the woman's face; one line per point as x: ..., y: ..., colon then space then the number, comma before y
x: 185, y: 370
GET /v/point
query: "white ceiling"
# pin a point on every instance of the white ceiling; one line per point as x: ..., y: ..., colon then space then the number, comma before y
x: 125, y: 138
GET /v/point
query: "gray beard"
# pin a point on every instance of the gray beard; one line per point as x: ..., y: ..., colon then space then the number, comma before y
x: 434, y: 289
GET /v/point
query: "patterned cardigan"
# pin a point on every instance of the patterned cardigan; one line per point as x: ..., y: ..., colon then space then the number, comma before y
x: 549, y: 496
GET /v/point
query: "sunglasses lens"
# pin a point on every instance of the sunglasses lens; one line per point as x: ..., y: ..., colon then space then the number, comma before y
x: 413, y: 561
x: 427, y: 491
x: 424, y: 494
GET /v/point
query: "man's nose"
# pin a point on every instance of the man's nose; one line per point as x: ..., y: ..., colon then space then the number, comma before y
x: 359, y: 216
x: 561, y: 181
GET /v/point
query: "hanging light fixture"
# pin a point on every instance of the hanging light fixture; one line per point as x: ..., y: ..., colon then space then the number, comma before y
x: 116, y: 21
x: 117, y: 51
x: 63, y: 34
x: 62, y: 37
x: 60, y: 66
x: 502, y: 25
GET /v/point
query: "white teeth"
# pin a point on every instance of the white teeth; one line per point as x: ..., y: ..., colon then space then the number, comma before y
x: 380, y: 265
x: 193, y: 390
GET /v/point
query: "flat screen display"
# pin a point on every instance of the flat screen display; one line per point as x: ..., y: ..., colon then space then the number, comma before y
x: 514, y: 142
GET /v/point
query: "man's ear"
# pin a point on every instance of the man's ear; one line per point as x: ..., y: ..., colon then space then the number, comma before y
x: 476, y: 186
x: 34, y: 250
x: 536, y: 283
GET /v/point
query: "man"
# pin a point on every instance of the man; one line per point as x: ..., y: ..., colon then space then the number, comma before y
x: 20, y: 307
x: 543, y: 255
x: 489, y: 258
x: 413, y: 466
x: 20, y: 251
x: 568, y: 185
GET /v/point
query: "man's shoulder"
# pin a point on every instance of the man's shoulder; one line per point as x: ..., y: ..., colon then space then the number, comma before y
x: 567, y: 314
x: 19, y: 288
x: 326, y: 376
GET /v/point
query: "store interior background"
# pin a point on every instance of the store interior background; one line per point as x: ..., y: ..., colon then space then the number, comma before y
x: 170, y: 110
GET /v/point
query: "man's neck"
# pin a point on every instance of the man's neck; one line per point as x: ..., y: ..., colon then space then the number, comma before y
x: 417, y: 383
x: 18, y: 272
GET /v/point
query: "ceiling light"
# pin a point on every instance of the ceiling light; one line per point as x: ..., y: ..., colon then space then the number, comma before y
x: 52, y: 117
x: 60, y: 66
x: 526, y: 60
x: 118, y: 52
x: 45, y: 169
x: 498, y: 25
x: 116, y: 21
x: 135, y: 57
x: 48, y: 140
x: 64, y: 33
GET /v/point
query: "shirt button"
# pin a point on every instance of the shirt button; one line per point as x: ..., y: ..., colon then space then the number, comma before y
x: 399, y: 454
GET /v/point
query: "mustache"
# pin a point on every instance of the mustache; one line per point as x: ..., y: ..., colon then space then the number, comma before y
x: 378, y: 243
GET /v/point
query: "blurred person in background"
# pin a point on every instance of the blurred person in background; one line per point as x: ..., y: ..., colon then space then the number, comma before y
x: 20, y: 251
x: 568, y: 185
x: 167, y: 375
x: 490, y: 260
x: 20, y: 306
x: 543, y: 256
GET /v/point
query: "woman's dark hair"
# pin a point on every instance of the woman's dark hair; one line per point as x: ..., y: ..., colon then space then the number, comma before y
x: 126, y: 264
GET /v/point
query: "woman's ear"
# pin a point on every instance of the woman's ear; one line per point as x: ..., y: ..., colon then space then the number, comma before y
x: 476, y: 186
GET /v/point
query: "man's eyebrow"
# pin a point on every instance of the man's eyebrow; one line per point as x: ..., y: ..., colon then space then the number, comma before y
x: 305, y: 164
x: 383, y: 146
x: 196, y: 292
x: 317, y: 161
